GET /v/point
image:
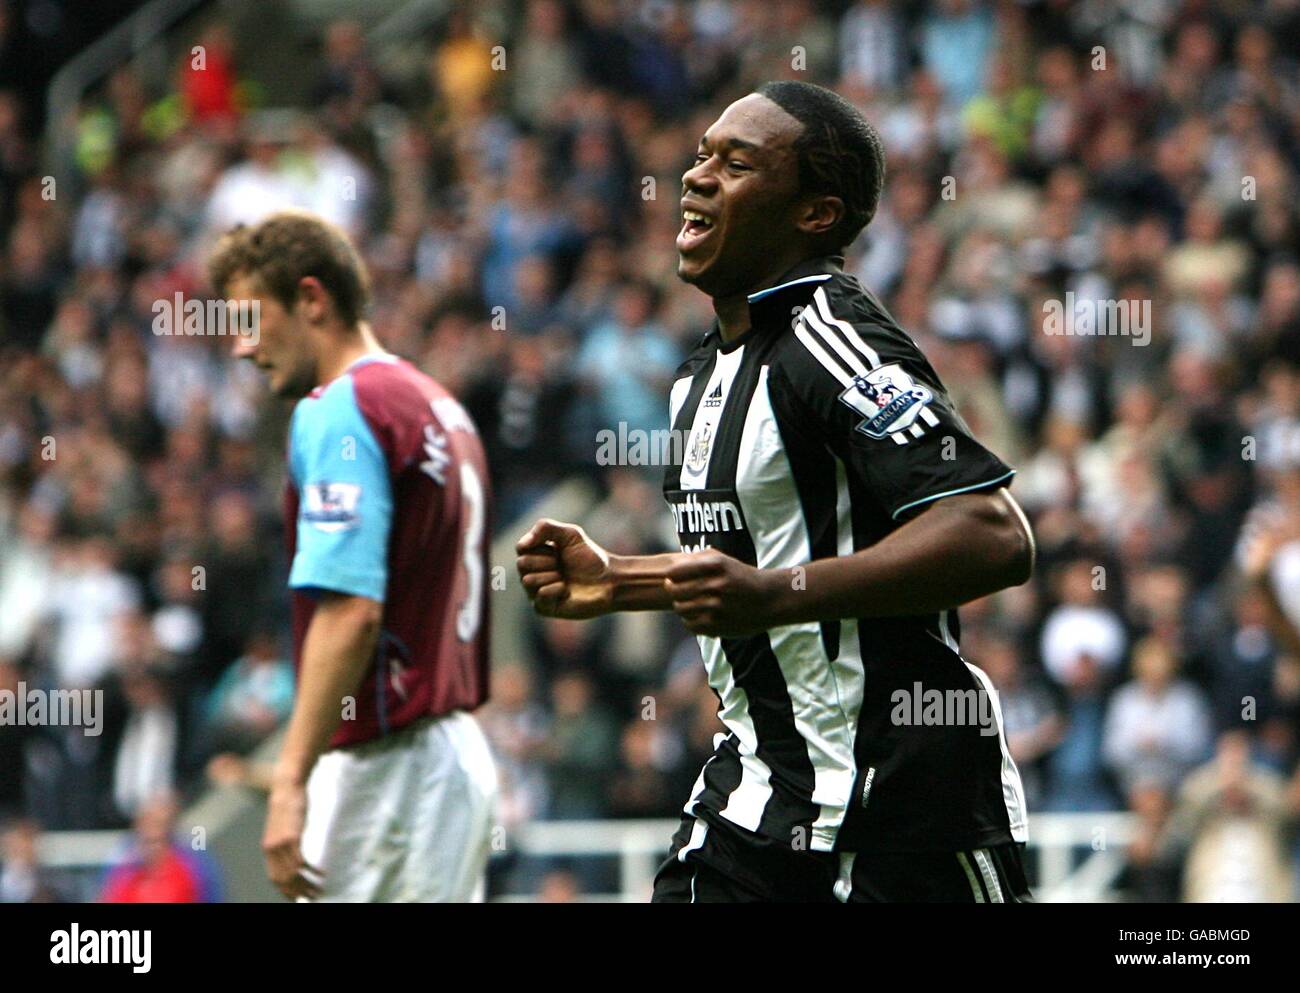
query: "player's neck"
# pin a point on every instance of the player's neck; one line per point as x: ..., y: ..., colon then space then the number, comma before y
x: 733, y: 311
x: 733, y: 316
x: 346, y: 349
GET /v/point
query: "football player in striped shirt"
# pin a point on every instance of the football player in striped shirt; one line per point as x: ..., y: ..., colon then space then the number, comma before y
x: 383, y: 790
x: 833, y: 511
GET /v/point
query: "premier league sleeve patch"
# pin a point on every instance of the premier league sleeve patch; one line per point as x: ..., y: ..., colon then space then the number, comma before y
x: 331, y: 507
x: 888, y: 399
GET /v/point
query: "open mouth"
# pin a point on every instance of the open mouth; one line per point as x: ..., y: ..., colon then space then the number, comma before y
x: 695, y: 228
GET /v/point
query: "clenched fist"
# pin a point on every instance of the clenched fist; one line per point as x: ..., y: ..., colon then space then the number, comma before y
x: 717, y: 595
x: 564, y: 572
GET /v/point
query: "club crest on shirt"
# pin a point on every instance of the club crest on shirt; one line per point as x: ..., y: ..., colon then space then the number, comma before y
x: 331, y: 507
x: 888, y: 399
x: 698, y: 456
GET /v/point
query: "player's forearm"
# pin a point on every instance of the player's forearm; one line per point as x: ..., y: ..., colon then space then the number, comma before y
x: 337, y: 651
x: 638, y: 581
x: 959, y: 550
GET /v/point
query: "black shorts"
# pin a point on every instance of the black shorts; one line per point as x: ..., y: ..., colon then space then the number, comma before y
x: 715, y: 861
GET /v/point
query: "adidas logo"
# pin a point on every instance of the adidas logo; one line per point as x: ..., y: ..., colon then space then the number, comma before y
x: 714, y: 399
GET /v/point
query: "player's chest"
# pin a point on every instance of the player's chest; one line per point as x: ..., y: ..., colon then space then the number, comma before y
x: 729, y: 470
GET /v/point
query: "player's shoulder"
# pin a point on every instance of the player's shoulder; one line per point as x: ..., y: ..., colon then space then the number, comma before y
x: 838, y: 330
x: 384, y: 380
x: 377, y: 392
x: 409, y: 410
x: 390, y: 390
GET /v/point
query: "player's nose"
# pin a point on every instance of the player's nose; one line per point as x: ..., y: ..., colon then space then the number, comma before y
x: 699, y: 179
x: 244, y: 347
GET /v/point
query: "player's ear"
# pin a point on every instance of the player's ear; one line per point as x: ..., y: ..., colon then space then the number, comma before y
x: 818, y: 215
x: 313, y: 299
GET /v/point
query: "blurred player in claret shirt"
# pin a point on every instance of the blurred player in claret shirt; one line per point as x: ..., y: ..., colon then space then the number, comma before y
x: 384, y: 788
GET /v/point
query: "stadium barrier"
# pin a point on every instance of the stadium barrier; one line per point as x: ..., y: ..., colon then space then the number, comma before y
x: 1073, y: 857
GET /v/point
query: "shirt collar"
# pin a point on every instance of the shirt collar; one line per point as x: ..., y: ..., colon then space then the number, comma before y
x: 794, y: 286
x: 369, y: 357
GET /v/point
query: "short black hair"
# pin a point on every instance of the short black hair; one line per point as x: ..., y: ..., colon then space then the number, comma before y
x: 839, y: 151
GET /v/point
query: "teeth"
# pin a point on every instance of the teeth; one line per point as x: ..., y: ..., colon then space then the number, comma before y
x: 697, y: 218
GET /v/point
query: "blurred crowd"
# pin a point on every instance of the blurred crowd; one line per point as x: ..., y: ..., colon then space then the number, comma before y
x: 514, y: 192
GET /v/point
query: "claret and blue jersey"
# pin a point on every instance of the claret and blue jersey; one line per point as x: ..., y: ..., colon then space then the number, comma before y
x: 388, y: 498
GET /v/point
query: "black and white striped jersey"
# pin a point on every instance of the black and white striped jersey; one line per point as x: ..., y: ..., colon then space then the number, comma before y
x: 815, y: 434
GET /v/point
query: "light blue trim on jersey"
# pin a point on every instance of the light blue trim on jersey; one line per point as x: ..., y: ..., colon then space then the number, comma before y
x: 755, y: 297
x: 948, y: 493
x: 345, y: 500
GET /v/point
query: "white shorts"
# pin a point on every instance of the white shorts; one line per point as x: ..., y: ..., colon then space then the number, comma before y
x: 404, y: 819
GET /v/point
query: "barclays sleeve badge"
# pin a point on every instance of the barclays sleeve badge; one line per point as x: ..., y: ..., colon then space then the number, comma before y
x: 888, y: 398
x: 331, y: 507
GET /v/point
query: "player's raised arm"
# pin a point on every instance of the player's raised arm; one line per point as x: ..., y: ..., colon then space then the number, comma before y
x: 566, y: 574
x: 960, y: 549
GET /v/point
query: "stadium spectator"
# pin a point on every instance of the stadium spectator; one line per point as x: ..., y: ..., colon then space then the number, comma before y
x: 157, y: 867
x: 251, y: 699
x: 145, y: 739
x: 1231, y: 819
x: 1157, y: 726
x: 580, y: 751
x: 642, y: 785
x: 22, y: 879
x: 559, y: 886
x: 628, y: 363
x: 518, y: 728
